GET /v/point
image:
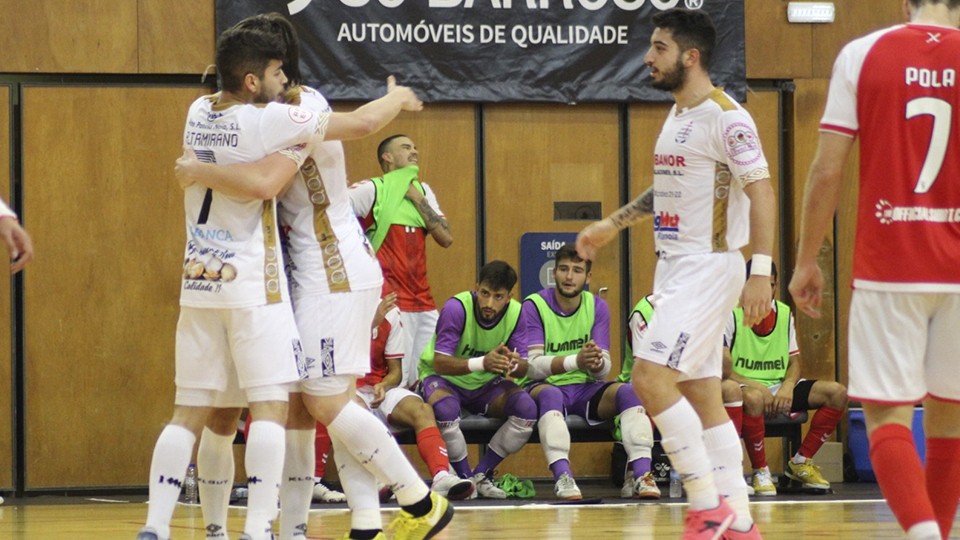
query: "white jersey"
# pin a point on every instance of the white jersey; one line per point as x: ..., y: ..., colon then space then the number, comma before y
x: 232, y: 257
x: 327, y: 250
x: 704, y: 157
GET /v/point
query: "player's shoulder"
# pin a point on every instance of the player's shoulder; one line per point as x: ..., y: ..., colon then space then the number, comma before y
x: 312, y: 98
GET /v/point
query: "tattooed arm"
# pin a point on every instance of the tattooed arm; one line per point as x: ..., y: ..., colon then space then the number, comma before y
x: 436, y: 225
x: 600, y: 233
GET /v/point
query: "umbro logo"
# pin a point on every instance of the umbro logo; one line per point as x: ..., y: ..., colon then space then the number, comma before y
x: 658, y: 346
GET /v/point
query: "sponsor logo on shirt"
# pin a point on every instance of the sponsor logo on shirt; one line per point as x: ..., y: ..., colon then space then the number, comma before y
x: 666, y: 222
x: 743, y: 145
x: 887, y: 213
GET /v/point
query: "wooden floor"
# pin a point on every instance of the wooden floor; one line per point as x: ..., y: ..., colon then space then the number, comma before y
x: 116, y: 518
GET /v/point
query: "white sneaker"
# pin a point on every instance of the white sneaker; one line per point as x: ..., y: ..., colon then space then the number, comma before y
x: 566, y: 488
x: 486, y: 488
x: 453, y: 487
x: 324, y: 494
x: 763, y: 483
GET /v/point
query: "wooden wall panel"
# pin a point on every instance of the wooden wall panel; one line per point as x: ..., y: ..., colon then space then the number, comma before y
x: 536, y: 155
x: 102, y: 297
x: 775, y: 49
x: 64, y: 36
x: 854, y: 18
x: 175, y: 36
x: 445, y: 139
x: 6, y: 328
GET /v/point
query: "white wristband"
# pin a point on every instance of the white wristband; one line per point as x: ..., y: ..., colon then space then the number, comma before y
x: 475, y: 363
x: 570, y: 363
x: 6, y: 212
x: 760, y: 265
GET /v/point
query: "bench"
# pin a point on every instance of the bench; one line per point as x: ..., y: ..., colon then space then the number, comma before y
x: 480, y: 429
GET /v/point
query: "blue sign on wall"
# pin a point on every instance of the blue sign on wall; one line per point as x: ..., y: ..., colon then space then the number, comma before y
x: 537, y: 252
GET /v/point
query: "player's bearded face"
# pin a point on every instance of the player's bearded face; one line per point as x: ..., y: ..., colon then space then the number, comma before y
x: 570, y: 278
x: 671, y: 79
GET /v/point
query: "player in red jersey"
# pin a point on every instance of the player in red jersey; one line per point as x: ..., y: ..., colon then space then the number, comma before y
x: 896, y: 90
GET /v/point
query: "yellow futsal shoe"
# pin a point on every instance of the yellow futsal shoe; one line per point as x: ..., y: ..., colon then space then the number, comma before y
x: 407, y: 527
x: 807, y: 473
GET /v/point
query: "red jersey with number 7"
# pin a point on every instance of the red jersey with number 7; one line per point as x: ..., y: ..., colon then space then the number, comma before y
x: 897, y: 90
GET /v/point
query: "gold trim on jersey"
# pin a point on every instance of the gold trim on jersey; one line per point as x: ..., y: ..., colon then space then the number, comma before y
x: 721, y: 200
x: 271, y: 254
x: 722, y: 100
x: 337, y: 279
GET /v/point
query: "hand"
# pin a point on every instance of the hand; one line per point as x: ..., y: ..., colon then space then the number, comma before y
x: 590, y: 356
x: 783, y: 400
x: 386, y: 304
x: 768, y: 401
x: 594, y: 236
x: 379, y: 392
x: 806, y: 288
x: 18, y: 242
x: 409, y: 100
x: 186, y: 168
x: 756, y: 299
x: 499, y: 360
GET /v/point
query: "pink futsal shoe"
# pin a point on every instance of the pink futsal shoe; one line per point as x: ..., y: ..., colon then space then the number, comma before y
x: 708, y: 524
x: 752, y: 534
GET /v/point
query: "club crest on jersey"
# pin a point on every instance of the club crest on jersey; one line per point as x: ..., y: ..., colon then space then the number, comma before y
x: 299, y: 116
x: 683, y: 133
x: 743, y: 145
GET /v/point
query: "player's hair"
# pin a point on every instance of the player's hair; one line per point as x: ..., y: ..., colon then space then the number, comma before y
x: 568, y: 252
x: 691, y: 30
x: 497, y: 275
x: 773, y: 265
x: 241, y: 51
x: 278, y: 25
x: 382, y: 147
x: 951, y: 4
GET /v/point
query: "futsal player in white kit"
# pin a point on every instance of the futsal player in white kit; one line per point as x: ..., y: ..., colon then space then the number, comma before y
x: 711, y: 195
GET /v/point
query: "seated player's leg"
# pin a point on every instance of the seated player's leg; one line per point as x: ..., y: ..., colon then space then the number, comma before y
x: 830, y: 400
x: 403, y: 408
x: 754, y: 431
x: 637, y: 435
x: 555, y: 437
x: 444, y: 397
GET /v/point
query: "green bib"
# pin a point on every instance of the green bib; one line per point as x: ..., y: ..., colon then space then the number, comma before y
x: 391, y: 206
x: 645, y: 309
x: 563, y: 336
x: 762, y: 358
x: 474, y: 341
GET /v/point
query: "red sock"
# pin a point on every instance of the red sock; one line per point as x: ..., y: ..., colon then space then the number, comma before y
x: 321, y: 446
x: 900, y: 474
x: 753, y: 432
x: 433, y: 450
x: 821, y: 427
x: 735, y: 412
x: 943, y: 480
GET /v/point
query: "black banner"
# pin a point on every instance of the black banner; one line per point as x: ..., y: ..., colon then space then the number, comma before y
x: 564, y: 51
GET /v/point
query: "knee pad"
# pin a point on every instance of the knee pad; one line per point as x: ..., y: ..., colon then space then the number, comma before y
x: 637, y: 433
x: 447, y: 409
x: 454, y: 439
x: 521, y: 406
x: 554, y: 436
x: 511, y: 436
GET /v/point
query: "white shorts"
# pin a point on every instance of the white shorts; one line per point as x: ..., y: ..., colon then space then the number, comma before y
x: 418, y: 330
x: 694, y: 295
x: 390, y: 401
x: 335, y: 330
x: 229, y: 351
x: 903, y: 346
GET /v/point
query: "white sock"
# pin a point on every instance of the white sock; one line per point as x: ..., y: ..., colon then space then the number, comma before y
x: 264, y: 464
x: 171, y: 455
x: 296, y: 487
x: 360, y: 487
x: 798, y: 459
x: 682, y: 440
x: 369, y: 442
x: 216, y: 468
x: 925, y: 530
x: 726, y: 454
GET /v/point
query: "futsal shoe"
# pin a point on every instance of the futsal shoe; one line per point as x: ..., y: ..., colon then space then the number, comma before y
x: 566, y: 488
x: 752, y: 534
x: 407, y: 527
x: 453, y: 487
x: 808, y: 474
x: 485, y: 488
x: 763, y: 483
x: 708, y: 524
x: 148, y: 533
